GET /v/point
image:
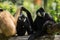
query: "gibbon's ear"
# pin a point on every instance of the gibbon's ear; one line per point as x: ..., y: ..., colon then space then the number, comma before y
x: 17, y: 14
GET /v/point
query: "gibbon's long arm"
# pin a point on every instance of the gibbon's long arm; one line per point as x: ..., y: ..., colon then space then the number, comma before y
x: 17, y: 15
x: 15, y: 18
x: 28, y: 14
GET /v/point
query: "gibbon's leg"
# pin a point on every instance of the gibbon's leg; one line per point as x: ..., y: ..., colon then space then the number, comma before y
x: 56, y: 27
x: 36, y: 35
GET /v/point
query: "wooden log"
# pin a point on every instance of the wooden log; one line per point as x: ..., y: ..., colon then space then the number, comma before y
x: 45, y: 37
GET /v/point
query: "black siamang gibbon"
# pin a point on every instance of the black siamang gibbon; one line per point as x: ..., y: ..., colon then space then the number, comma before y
x: 23, y: 25
x: 37, y: 25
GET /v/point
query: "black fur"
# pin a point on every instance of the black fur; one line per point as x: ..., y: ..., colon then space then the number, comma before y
x: 23, y: 25
x: 37, y: 25
x: 1, y: 10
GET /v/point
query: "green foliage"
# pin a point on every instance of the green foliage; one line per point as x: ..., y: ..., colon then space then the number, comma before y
x: 53, y: 13
x: 8, y: 6
x: 54, y: 9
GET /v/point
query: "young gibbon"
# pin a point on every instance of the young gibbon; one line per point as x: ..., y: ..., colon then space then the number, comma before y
x: 23, y: 25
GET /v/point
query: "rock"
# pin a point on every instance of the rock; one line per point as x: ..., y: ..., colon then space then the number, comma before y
x: 46, y: 37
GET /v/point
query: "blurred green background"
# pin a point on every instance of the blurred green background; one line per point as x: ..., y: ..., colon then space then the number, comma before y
x: 50, y: 6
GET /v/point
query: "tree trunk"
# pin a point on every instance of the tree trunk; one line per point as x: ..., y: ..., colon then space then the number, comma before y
x: 45, y: 5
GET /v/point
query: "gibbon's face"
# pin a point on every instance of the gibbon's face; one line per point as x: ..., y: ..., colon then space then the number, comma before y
x: 41, y: 14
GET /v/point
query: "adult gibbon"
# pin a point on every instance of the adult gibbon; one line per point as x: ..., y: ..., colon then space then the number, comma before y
x: 8, y: 22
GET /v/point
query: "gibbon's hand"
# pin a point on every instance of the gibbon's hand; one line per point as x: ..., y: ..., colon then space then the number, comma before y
x: 23, y: 9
